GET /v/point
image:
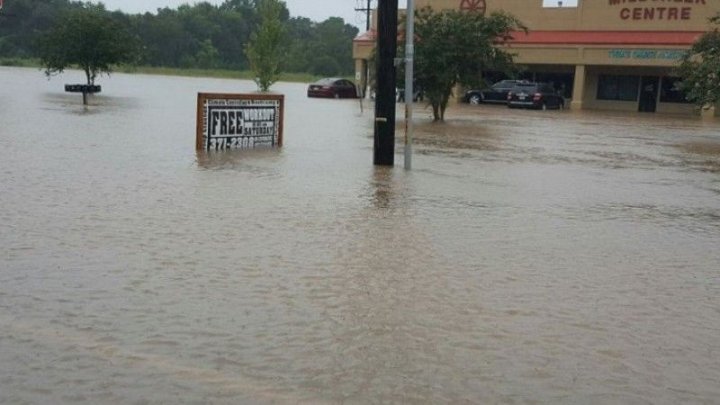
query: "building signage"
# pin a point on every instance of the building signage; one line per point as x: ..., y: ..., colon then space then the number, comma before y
x: 665, y: 10
x: 239, y: 121
x: 655, y: 54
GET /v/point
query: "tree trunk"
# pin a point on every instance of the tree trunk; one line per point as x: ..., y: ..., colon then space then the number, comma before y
x: 442, y: 111
x: 436, y: 111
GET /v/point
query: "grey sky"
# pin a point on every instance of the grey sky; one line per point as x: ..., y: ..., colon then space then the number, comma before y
x: 316, y: 10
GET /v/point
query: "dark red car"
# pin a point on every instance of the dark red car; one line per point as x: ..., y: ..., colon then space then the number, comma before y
x: 332, y: 87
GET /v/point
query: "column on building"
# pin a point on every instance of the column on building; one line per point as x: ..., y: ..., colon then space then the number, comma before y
x: 361, y: 76
x: 578, y: 88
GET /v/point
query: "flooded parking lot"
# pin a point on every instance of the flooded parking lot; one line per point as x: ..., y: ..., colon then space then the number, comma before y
x: 528, y: 257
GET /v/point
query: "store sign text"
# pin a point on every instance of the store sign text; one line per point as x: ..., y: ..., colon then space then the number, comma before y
x: 239, y: 121
x: 645, y: 54
x: 681, y: 12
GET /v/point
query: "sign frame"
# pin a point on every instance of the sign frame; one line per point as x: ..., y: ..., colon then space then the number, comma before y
x: 203, y: 143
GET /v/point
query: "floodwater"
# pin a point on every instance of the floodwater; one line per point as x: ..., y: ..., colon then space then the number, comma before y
x: 529, y: 257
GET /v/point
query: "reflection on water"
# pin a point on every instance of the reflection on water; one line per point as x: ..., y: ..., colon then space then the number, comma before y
x: 382, y: 187
x: 549, y: 257
x: 704, y: 155
x: 259, y: 160
x: 703, y: 148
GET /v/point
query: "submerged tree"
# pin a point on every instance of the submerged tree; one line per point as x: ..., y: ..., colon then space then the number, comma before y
x: 265, y: 50
x: 454, y: 47
x: 88, y: 38
x: 700, y: 68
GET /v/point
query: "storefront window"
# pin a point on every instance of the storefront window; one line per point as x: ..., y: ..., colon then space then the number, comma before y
x: 669, y: 91
x: 619, y: 88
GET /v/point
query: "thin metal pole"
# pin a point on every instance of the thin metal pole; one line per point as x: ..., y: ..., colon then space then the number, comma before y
x: 409, y: 74
x: 367, y: 64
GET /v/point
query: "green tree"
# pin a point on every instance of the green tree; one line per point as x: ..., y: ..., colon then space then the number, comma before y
x: 265, y: 50
x: 324, y: 65
x: 178, y: 37
x: 335, y: 40
x: 700, y: 68
x: 234, y: 29
x: 165, y: 42
x: 455, y: 47
x: 21, y: 20
x: 207, y: 56
x: 88, y: 38
x: 300, y: 34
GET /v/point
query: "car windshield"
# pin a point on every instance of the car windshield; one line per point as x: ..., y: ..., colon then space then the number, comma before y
x: 325, y: 82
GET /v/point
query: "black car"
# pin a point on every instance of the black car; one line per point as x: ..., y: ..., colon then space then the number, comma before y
x: 541, y: 96
x: 497, y: 93
x: 418, y: 94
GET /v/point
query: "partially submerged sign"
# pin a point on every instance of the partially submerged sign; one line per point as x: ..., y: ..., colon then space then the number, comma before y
x: 85, y: 89
x: 239, y: 120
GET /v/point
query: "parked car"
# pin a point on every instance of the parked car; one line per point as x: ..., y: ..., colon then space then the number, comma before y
x: 332, y: 87
x: 541, y: 96
x: 418, y: 94
x: 497, y: 93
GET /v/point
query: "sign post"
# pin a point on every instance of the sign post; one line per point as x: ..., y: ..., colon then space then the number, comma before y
x: 85, y: 89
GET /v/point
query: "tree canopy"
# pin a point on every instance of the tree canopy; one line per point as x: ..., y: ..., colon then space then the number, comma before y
x: 455, y: 47
x: 202, y: 35
x: 87, y: 38
x: 265, y: 50
x: 700, y: 68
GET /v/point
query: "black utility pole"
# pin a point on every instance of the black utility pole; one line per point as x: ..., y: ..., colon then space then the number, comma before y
x: 386, y: 83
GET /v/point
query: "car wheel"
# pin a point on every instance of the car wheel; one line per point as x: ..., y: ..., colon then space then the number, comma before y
x: 475, y: 99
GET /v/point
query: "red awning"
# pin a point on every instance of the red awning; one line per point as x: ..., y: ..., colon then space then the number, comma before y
x: 677, y: 38
x: 368, y: 36
x: 615, y: 38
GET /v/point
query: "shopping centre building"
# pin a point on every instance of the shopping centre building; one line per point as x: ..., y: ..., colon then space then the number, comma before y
x: 604, y: 54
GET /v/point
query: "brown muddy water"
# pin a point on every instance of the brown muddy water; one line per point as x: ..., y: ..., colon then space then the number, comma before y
x: 529, y: 257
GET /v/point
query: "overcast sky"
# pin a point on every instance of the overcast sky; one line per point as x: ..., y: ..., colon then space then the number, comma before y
x: 316, y: 10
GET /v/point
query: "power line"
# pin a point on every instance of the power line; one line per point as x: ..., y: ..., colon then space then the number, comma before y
x: 367, y: 10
